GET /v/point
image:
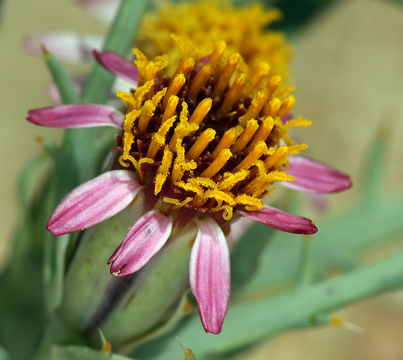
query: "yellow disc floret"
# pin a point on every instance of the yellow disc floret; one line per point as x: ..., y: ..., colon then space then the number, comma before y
x: 212, y: 137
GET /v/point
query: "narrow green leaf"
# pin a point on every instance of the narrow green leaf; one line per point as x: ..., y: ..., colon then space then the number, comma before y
x: 61, y: 78
x: 305, y: 267
x: 119, y: 39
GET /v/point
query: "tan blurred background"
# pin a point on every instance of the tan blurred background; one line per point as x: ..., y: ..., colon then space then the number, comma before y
x: 348, y: 70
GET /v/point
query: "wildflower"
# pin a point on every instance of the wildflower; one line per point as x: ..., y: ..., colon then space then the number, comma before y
x: 204, y: 145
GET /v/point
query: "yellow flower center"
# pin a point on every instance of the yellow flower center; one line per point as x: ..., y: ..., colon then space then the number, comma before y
x: 211, y: 137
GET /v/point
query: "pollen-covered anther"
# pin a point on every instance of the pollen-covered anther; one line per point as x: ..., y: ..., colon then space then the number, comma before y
x: 163, y: 170
x: 287, y: 105
x: 279, y: 155
x: 181, y: 165
x: 272, y: 107
x: 217, y: 164
x: 158, y: 139
x: 174, y: 87
x: 247, y: 134
x: 226, y: 74
x: 250, y: 202
x: 148, y: 69
x: 148, y: 110
x: 200, y: 80
x: 227, y: 140
x: 261, y: 71
x: 170, y: 108
x: 231, y: 179
x: 263, y: 132
x: 201, y: 111
x: 200, y: 144
x: 298, y: 122
x: 255, y: 108
x: 252, y: 157
x: 295, y: 149
x: 233, y: 95
x: 184, y: 128
x: 217, y: 54
x: 274, y: 83
x: 185, y: 66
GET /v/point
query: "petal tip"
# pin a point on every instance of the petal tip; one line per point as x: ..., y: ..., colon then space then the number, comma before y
x: 213, y: 329
x: 313, y: 229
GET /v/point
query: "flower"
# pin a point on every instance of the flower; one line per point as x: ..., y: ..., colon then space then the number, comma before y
x: 204, y: 145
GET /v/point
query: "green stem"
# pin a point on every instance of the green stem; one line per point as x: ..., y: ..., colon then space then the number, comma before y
x: 119, y: 39
x: 305, y: 268
x: 61, y: 78
x: 270, y: 316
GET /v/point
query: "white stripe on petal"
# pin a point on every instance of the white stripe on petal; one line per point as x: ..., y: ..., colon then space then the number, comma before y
x: 210, y: 277
x: 144, y: 239
x: 93, y: 202
x: 64, y: 46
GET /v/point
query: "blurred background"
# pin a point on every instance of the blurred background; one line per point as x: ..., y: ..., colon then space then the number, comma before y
x: 348, y: 70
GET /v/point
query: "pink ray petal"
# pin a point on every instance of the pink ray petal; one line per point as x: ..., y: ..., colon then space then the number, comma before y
x: 103, y: 9
x: 144, y: 239
x: 209, y: 276
x: 282, y: 220
x: 93, y: 202
x: 76, y: 116
x: 313, y: 176
x: 65, y: 46
x: 118, y: 65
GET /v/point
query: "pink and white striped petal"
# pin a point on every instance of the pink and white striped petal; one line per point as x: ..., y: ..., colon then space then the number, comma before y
x: 76, y: 116
x: 71, y: 47
x: 210, y: 277
x: 93, y: 202
x: 118, y: 65
x: 104, y: 10
x: 281, y: 220
x: 313, y: 176
x: 144, y: 239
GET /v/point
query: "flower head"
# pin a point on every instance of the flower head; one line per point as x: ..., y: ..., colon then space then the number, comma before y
x: 204, y: 144
x: 211, y: 137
